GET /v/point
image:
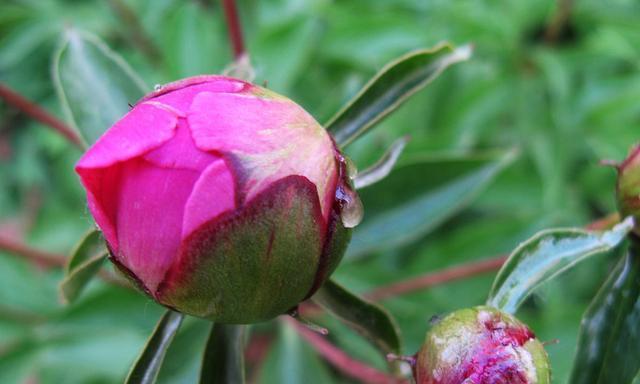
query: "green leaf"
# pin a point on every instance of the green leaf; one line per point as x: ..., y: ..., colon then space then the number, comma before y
x: 368, y: 319
x: 84, y: 263
x: 391, y: 87
x: 90, y: 245
x: 636, y: 380
x: 609, y: 341
x: 74, y: 283
x: 545, y: 256
x: 146, y: 368
x: 419, y: 195
x: 193, y: 39
x: 95, y: 85
x: 223, y: 360
x: 382, y: 167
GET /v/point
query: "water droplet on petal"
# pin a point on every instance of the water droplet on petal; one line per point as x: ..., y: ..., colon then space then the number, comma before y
x: 351, y: 209
x: 157, y: 87
x: 352, y: 170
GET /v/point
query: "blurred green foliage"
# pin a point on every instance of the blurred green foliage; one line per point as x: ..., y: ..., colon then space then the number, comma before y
x: 565, y: 103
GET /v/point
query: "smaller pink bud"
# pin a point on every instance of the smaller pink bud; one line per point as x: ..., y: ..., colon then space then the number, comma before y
x: 481, y: 345
x: 628, y: 186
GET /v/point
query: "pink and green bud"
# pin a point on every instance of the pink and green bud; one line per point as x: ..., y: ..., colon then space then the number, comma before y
x: 218, y: 198
x: 628, y: 186
x: 481, y: 345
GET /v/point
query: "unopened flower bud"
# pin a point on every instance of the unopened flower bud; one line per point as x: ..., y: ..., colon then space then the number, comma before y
x: 481, y: 345
x: 218, y: 198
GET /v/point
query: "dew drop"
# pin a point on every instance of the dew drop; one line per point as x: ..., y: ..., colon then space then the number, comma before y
x: 352, y: 170
x: 157, y: 87
x: 351, y: 209
x: 349, y: 203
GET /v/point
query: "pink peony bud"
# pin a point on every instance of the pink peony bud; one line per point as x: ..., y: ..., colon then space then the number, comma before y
x: 481, y: 345
x: 218, y: 198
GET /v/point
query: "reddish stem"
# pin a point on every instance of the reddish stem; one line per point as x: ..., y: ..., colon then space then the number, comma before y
x: 465, y: 270
x: 42, y: 258
x: 27, y: 107
x: 446, y: 275
x: 49, y: 259
x: 605, y: 223
x: 340, y: 360
x: 235, y: 30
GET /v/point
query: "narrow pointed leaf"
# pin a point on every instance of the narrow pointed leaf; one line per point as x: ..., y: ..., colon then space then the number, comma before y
x: 609, y: 341
x: 223, y: 360
x: 89, y: 246
x: 546, y: 255
x: 382, y: 167
x: 95, y: 86
x: 369, y: 319
x: 420, y: 194
x: 145, y: 369
x: 84, y: 263
x: 391, y: 87
x: 74, y: 282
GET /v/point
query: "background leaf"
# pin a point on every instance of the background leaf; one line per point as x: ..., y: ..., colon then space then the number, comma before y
x: 419, y: 195
x: 146, y: 367
x: 223, y: 360
x: 368, y: 319
x: 609, y: 344
x: 84, y: 263
x: 89, y: 245
x: 565, y: 105
x: 94, y: 84
x: 382, y: 167
x: 76, y: 280
x: 544, y: 257
x: 396, y: 82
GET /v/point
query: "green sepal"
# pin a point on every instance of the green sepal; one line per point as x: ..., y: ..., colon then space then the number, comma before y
x: 252, y: 264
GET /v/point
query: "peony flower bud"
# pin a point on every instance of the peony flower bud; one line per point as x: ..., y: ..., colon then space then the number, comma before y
x: 628, y: 187
x: 481, y: 345
x: 220, y: 199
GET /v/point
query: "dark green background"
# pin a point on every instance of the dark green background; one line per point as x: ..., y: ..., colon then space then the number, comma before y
x: 564, y: 105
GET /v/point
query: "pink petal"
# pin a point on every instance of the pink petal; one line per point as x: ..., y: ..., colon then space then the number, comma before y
x: 180, y: 152
x: 180, y: 94
x: 102, y: 192
x: 267, y: 139
x: 144, y: 128
x: 213, y: 194
x: 149, y: 220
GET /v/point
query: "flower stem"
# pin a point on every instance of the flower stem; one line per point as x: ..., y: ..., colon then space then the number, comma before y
x: 49, y: 260
x: 457, y: 272
x: 235, y: 29
x: 340, y: 360
x: 19, y: 102
x: 42, y: 258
